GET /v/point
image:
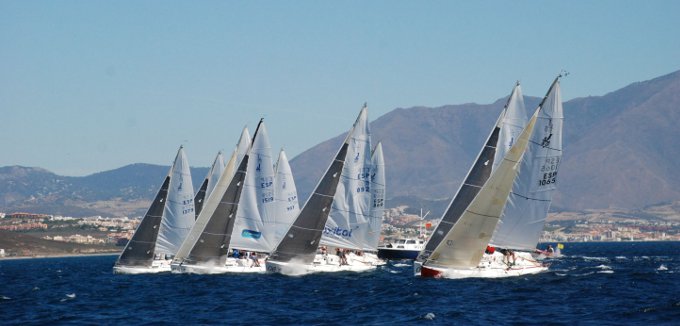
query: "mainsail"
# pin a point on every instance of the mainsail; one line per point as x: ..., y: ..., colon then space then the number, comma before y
x: 285, y: 196
x: 532, y: 191
x: 255, y: 219
x: 209, y: 182
x: 178, y: 213
x: 464, y: 244
x: 349, y: 220
x: 513, y: 123
x: 302, y: 238
x: 377, y: 198
x: 476, y: 178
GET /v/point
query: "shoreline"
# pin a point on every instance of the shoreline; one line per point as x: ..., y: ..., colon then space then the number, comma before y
x: 60, y: 256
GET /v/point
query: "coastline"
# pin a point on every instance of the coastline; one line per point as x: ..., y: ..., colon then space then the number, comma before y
x: 60, y: 256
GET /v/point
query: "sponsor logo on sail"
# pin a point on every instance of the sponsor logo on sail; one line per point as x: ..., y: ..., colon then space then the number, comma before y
x: 338, y: 231
x: 251, y: 234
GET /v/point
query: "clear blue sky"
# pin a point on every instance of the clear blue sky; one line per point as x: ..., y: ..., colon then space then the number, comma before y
x: 87, y: 86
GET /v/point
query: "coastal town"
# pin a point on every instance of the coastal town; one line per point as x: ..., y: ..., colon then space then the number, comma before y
x: 110, y: 234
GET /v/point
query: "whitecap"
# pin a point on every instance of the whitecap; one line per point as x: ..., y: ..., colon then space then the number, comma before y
x: 586, y: 258
x: 400, y: 265
x: 621, y: 257
x: 5, y: 298
x: 606, y: 272
x: 394, y: 272
x: 429, y: 316
x: 662, y: 268
x: 71, y: 295
x: 603, y: 267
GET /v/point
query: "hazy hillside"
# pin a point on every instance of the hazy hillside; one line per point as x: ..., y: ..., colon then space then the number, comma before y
x: 619, y: 148
x: 123, y: 191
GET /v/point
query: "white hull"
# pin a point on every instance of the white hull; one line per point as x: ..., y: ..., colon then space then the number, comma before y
x: 327, y: 264
x: 491, y: 266
x: 231, y: 266
x: 157, y: 266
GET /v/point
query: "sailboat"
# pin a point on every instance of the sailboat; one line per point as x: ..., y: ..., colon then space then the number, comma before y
x: 206, y: 247
x: 209, y: 182
x: 350, y: 226
x: 459, y: 253
x: 296, y: 253
x: 527, y: 208
x: 258, y: 216
x: 164, y: 226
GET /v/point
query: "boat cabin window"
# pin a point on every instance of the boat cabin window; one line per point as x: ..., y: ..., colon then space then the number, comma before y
x: 401, y: 241
x: 411, y: 241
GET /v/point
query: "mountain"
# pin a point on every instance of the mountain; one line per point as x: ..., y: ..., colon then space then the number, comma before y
x: 619, y: 152
x: 124, y: 191
x: 619, y: 148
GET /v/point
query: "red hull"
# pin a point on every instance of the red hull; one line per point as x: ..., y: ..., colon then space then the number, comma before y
x: 429, y: 272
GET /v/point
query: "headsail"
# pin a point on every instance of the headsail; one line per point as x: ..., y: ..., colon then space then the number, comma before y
x: 243, y: 146
x: 255, y: 221
x: 377, y: 198
x: 302, y: 238
x: 139, y: 251
x: 464, y: 245
x: 348, y: 222
x: 179, y: 213
x: 531, y: 195
x: 513, y: 123
x: 477, y: 175
x: 285, y: 196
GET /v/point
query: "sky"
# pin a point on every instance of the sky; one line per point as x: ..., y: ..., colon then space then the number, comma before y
x: 88, y: 86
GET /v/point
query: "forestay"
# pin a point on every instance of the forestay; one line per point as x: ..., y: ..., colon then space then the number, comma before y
x: 465, y: 243
x: 529, y: 202
x: 348, y: 223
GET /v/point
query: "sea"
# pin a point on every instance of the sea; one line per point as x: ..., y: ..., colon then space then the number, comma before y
x: 618, y: 283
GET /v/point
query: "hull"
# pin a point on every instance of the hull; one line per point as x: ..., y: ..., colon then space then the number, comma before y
x: 232, y: 266
x: 326, y: 264
x: 491, y: 266
x: 158, y: 266
x: 397, y: 254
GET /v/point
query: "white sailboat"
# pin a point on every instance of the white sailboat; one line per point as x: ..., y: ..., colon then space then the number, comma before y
x: 528, y: 204
x: 285, y: 196
x: 350, y: 225
x: 460, y: 252
x: 205, y: 249
x: 164, y: 226
x: 296, y: 253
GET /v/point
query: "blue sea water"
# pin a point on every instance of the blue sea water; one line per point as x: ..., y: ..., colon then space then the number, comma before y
x: 594, y: 283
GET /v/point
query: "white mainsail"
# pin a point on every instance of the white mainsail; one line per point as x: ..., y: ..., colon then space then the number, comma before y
x: 513, y: 123
x: 532, y: 191
x: 285, y: 196
x: 255, y: 220
x: 464, y: 244
x: 178, y: 215
x: 348, y: 221
x: 378, y: 198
